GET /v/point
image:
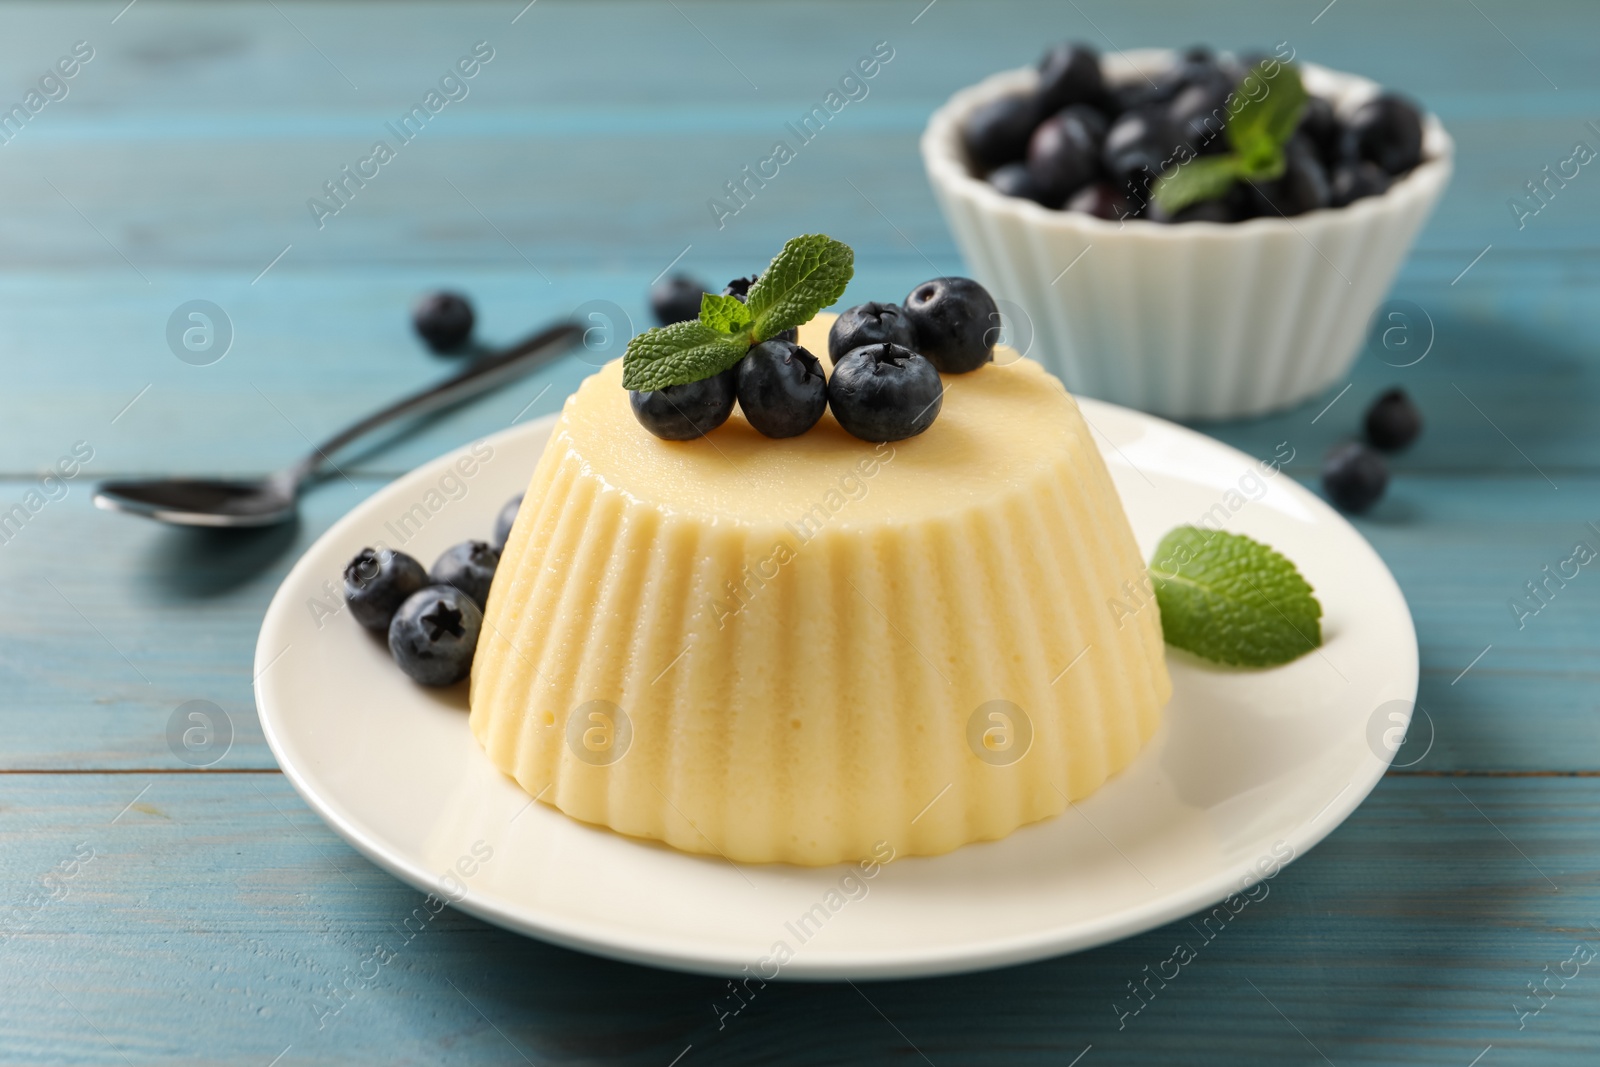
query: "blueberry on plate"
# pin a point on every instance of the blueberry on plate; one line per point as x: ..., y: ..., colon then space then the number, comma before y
x: 504, y: 521
x: 434, y: 634
x: 1354, y: 476
x: 1070, y: 74
x: 443, y: 320
x: 1352, y: 181
x: 1302, y: 187
x: 871, y: 323
x: 377, y: 582
x: 676, y: 298
x: 955, y: 322
x: 782, y: 390
x: 1013, y: 179
x: 1064, y: 152
x: 1393, y: 421
x: 684, y: 412
x: 740, y: 287
x: 468, y: 567
x: 1387, y: 131
x: 1104, y: 201
x: 997, y: 132
x: 885, y: 393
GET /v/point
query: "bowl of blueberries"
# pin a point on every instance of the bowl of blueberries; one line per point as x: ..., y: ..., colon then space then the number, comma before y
x: 1194, y: 234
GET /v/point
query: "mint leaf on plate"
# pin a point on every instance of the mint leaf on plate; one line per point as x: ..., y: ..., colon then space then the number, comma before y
x: 809, y: 274
x: 678, y: 354
x: 725, y: 314
x: 1231, y: 599
x: 1202, y: 178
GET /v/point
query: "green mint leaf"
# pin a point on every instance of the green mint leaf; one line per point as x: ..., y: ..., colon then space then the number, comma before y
x: 678, y: 354
x: 1274, y: 100
x: 809, y: 274
x: 1202, y: 178
x: 725, y: 314
x: 1231, y: 599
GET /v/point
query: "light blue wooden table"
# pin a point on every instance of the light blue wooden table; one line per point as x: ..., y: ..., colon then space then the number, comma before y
x: 152, y: 912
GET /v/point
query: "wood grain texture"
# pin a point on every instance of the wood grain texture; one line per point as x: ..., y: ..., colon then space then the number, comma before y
x: 219, y: 917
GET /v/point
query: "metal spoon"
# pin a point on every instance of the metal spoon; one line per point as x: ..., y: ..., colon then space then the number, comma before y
x: 269, y: 500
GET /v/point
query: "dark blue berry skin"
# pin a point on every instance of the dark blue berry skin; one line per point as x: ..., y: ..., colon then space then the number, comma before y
x: 1386, y: 131
x: 871, y: 323
x: 1064, y: 152
x: 1354, y: 476
x: 1070, y: 74
x: 676, y: 298
x: 1320, y: 126
x: 1199, y: 115
x: 434, y: 635
x: 885, y: 393
x: 1393, y: 421
x: 468, y: 567
x: 740, y: 287
x: 1138, y: 145
x: 1104, y: 201
x: 997, y: 132
x: 782, y: 390
x: 1352, y: 181
x: 377, y: 582
x: 504, y: 521
x: 443, y: 320
x: 684, y: 412
x: 1302, y: 187
x: 955, y: 321
x: 1013, y: 179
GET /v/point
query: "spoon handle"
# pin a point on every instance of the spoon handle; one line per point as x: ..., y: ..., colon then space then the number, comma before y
x: 521, y: 358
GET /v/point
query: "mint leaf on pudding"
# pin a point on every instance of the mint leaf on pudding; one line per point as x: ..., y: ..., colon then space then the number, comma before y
x: 809, y: 274
x: 678, y: 354
x: 1233, y: 600
x: 725, y: 314
x: 1202, y: 178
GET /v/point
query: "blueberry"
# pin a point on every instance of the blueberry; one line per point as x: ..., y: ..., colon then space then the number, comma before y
x: 1217, y: 210
x: 469, y: 567
x: 1386, y: 131
x: 1199, y: 115
x: 740, y: 287
x: 1302, y: 187
x: 1137, y: 147
x: 676, y: 298
x: 870, y: 324
x: 443, y: 320
x: 684, y: 412
x: 885, y: 393
x: 1320, y: 126
x: 1104, y: 201
x: 1064, y: 152
x: 1070, y: 74
x: 954, y: 320
x: 997, y: 132
x: 377, y: 581
x: 504, y: 521
x: 1354, y: 476
x: 782, y: 391
x: 434, y: 634
x: 1352, y: 181
x: 1393, y: 421
x: 1013, y: 179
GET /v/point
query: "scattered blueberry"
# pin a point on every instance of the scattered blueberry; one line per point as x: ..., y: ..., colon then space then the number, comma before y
x: 1387, y: 131
x: 434, y: 635
x: 676, y: 298
x: 1104, y: 201
x: 443, y: 320
x: 684, y: 412
x: 869, y: 324
x: 468, y: 567
x: 997, y: 132
x: 1302, y: 187
x: 1069, y: 74
x: 1393, y: 421
x: 1013, y: 179
x: 1352, y: 181
x: 504, y: 521
x: 782, y: 390
x: 1064, y: 152
x: 377, y: 582
x: 1354, y: 476
x: 955, y: 321
x: 885, y: 393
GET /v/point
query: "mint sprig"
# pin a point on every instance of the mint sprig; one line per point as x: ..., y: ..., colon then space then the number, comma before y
x: 1231, y: 599
x: 809, y: 274
x: 1257, y: 134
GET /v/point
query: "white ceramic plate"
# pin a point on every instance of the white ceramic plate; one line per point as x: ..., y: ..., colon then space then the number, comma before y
x: 1249, y: 768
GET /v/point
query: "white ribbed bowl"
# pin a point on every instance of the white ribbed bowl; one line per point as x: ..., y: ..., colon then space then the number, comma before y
x: 1193, y: 321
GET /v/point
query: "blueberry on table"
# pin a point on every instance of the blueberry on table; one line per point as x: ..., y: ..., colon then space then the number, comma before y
x: 1104, y: 201
x: 1352, y: 181
x: 1386, y: 131
x: 684, y: 412
x: 997, y: 132
x: 782, y: 390
x: 504, y: 521
x: 1354, y: 476
x: 955, y: 321
x: 434, y: 635
x: 1302, y: 187
x: 1393, y: 421
x: 1064, y: 152
x: 377, y: 582
x: 870, y: 324
x: 676, y: 298
x: 1070, y: 74
x: 885, y: 393
x: 443, y: 320
x: 468, y: 567
x: 1013, y: 179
